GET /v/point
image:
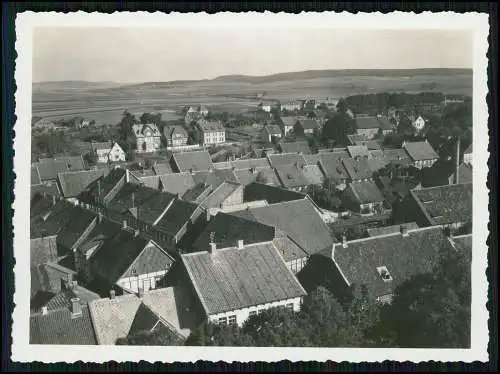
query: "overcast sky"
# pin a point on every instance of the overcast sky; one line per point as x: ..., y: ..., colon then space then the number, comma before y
x: 141, y: 54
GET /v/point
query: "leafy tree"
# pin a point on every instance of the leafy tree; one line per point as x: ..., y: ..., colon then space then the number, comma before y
x: 342, y: 106
x: 150, y: 118
x: 194, y: 135
x: 433, y: 309
x: 125, y: 130
x: 164, y: 338
x: 338, y: 127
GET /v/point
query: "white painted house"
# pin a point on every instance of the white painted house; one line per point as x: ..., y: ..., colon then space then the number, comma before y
x: 148, y: 137
x: 108, y: 152
x: 231, y: 286
x: 419, y: 124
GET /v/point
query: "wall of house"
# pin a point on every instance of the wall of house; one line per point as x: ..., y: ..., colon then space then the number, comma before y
x: 117, y: 154
x: 153, y: 143
x: 147, y: 281
x: 368, y: 133
x: 102, y: 155
x: 420, y: 164
x: 55, y: 276
x: 468, y: 158
x: 214, y: 137
x: 243, y: 314
x: 297, y: 265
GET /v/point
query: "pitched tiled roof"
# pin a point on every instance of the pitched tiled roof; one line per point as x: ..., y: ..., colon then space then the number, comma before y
x: 162, y: 168
x: 367, y: 123
x: 179, y: 213
x: 357, y: 168
x: 132, y: 196
x: 247, y: 176
x: 58, y: 327
x: 258, y: 191
x: 250, y: 163
x: 113, y: 318
x: 385, y: 124
x: 291, y: 176
x: 395, y: 154
x: 233, y: 278
x: 295, y: 147
x: 51, y: 189
x: 228, y: 229
x: 214, y: 177
x: 445, y: 204
x: 220, y: 194
x: 289, y: 249
x: 116, y: 255
x: 420, y: 151
x: 42, y: 249
x: 286, y: 159
x: 81, y: 219
x: 63, y: 298
x: 464, y: 173
x: 313, y: 174
x: 193, y: 161
x: 95, y: 146
x: 309, y: 124
x: 298, y: 219
x: 151, y: 260
x: 48, y: 170
x: 35, y: 176
x: 331, y: 164
x: 385, y: 230
x: 198, y: 193
x: 357, y: 150
x: 59, y: 216
x: 139, y: 129
x: 366, y: 192
x: 177, y: 183
x: 74, y: 183
x: 102, y: 186
x: 403, y: 257
x: 289, y: 121
x: 170, y: 131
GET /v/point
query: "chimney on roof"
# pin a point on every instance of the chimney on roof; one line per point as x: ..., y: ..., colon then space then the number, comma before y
x: 124, y: 224
x: 457, y: 161
x: 44, y: 310
x: 404, y: 230
x: 112, y: 294
x: 344, y: 241
x: 240, y: 244
x: 76, y: 308
x: 212, y: 248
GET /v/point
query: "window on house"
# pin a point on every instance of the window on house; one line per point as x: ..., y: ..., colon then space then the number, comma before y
x: 252, y: 313
x: 222, y: 321
x: 289, y: 306
x: 384, y: 274
x: 232, y: 319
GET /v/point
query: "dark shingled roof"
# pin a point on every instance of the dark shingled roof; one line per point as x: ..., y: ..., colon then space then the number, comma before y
x: 232, y: 278
x: 215, y: 177
x: 58, y: 327
x: 162, y: 168
x: 220, y: 194
x: 51, y: 189
x: 177, y: 183
x: 195, y: 161
x: 228, y: 229
x: 445, y: 204
x: 144, y: 320
x: 357, y: 169
x: 247, y: 176
x: 273, y: 130
x: 59, y: 216
x: 295, y: 147
x: 74, y: 183
x: 250, y: 163
x: 63, y: 298
x: 291, y: 176
x: 332, y: 166
x: 258, y: 191
x: 179, y: 213
x: 286, y: 159
x: 367, y: 123
x: 197, y: 193
x: 132, y: 195
x: 152, y: 208
x: 298, y: 219
x: 403, y: 257
x: 309, y: 124
x: 385, y: 124
x: 366, y: 192
x: 469, y: 149
x: 104, y: 184
x: 420, y: 151
x: 81, y: 220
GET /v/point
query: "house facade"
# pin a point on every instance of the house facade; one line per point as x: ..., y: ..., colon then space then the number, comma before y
x: 364, y: 197
x: 108, y: 152
x: 468, y: 155
x: 229, y: 295
x: 176, y: 136
x: 421, y: 154
x: 212, y: 132
x: 418, y: 124
x: 291, y: 106
x: 147, y: 137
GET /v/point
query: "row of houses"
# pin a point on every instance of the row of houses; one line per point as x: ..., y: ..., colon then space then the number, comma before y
x: 243, y: 262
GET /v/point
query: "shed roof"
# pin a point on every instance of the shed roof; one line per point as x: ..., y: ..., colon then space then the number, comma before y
x: 193, y: 161
x: 366, y: 192
x: 420, y: 151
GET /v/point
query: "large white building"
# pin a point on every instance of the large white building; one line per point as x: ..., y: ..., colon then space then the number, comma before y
x: 213, y: 132
x: 108, y: 152
x: 235, y: 283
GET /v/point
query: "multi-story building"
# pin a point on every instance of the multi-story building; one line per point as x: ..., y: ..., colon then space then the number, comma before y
x: 176, y: 136
x: 148, y: 137
x: 213, y: 132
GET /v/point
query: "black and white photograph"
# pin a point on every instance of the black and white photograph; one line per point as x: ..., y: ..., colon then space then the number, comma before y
x: 206, y: 184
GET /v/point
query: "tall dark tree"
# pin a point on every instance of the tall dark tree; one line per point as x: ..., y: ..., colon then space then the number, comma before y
x: 338, y: 127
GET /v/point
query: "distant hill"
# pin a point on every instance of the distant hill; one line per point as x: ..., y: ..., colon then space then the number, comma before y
x: 73, y: 85
x: 314, y: 74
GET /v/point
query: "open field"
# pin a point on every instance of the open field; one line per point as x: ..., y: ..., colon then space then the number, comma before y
x: 105, y: 102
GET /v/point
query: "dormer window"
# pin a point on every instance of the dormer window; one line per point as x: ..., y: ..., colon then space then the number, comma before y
x: 384, y: 273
